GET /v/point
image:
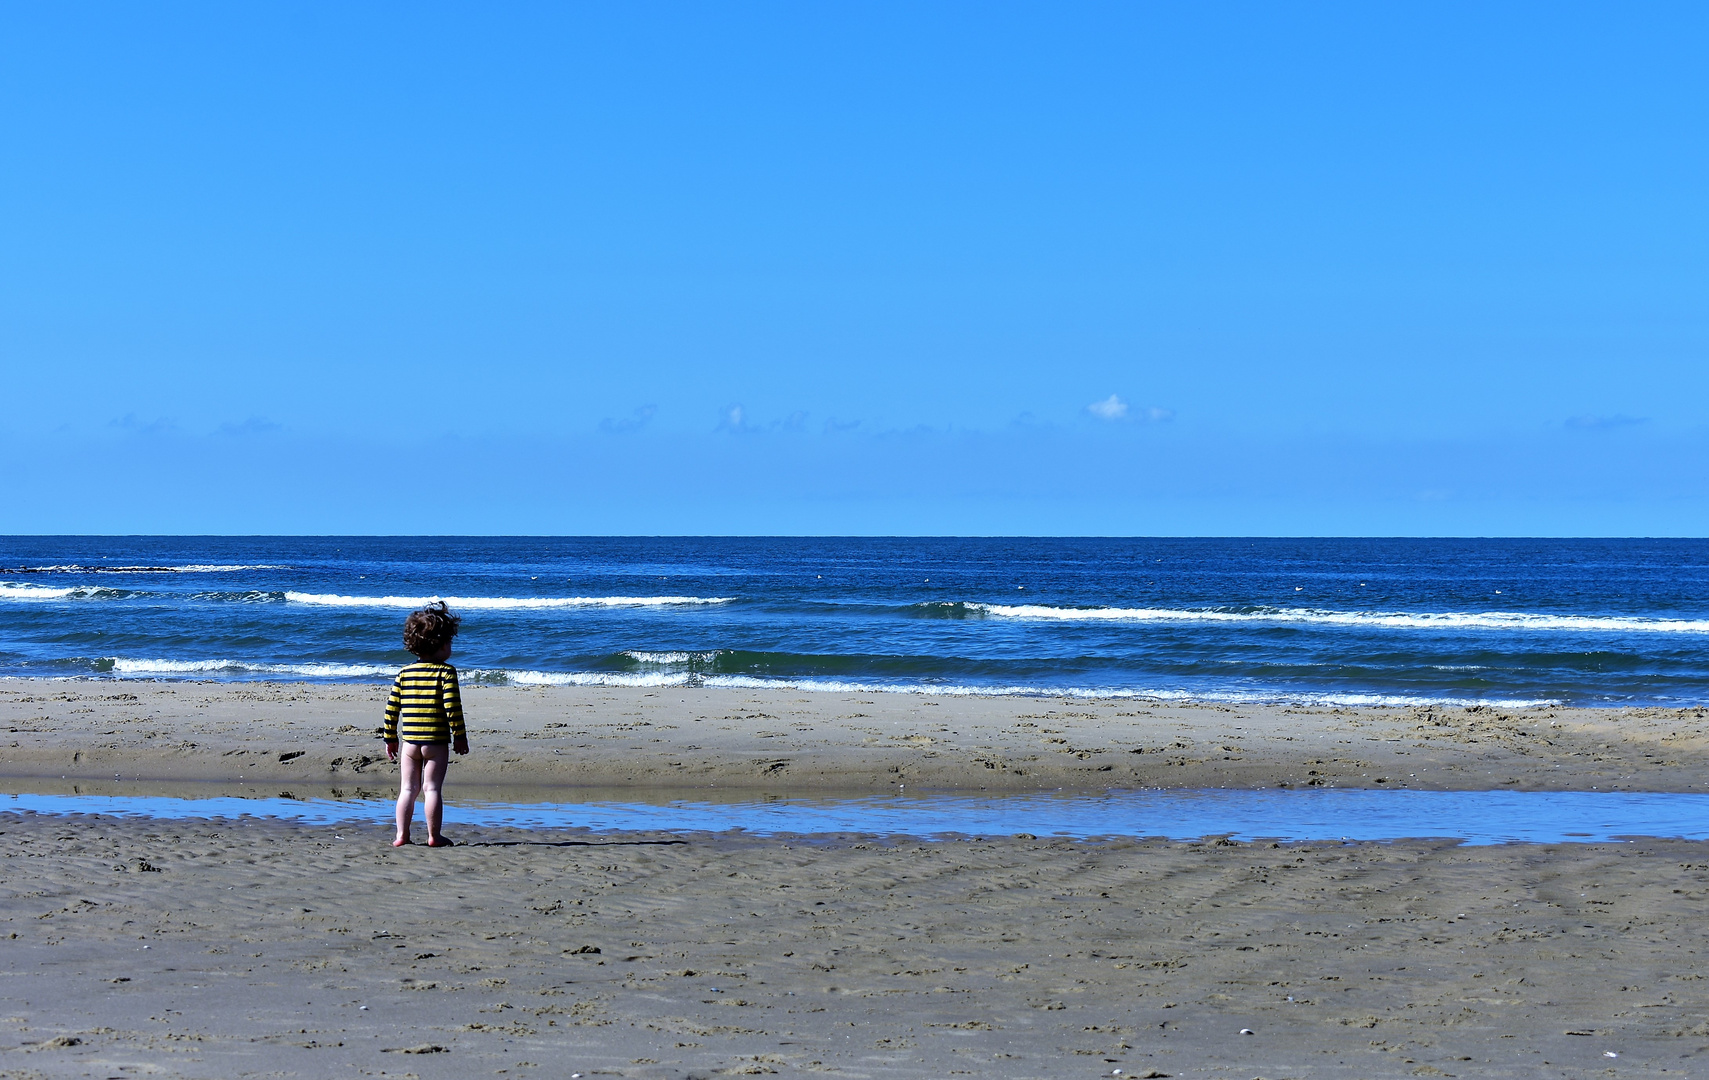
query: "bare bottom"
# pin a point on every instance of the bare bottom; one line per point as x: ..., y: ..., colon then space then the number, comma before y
x: 223, y: 948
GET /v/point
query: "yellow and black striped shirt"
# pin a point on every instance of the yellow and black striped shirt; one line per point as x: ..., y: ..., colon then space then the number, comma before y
x: 425, y: 705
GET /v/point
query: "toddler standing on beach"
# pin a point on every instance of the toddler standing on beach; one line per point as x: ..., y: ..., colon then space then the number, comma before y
x: 427, y: 712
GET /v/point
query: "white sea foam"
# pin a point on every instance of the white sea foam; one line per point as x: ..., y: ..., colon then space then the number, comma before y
x: 1446, y: 620
x: 16, y: 590
x: 253, y: 596
x: 193, y: 568
x: 1228, y: 697
x: 501, y: 603
x: 224, y: 568
x: 581, y: 678
x: 10, y: 591
x: 122, y: 666
x: 667, y: 658
x: 331, y: 671
x: 128, y: 668
x: 143, y: 668
x: 1351, y: 700
x: 840, y: 686
x: 1241, y: 697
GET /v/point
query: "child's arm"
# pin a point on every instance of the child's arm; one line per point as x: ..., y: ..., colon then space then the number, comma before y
x: 394, y: 705
x: 452, y: 703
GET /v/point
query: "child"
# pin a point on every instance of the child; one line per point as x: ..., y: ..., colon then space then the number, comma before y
x: 427, y: 711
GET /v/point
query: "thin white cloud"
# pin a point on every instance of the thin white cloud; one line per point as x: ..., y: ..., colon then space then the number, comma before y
x: 733, y: 419
x: 1111, y: 408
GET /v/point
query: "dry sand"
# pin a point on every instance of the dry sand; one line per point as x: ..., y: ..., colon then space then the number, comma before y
x: 250, y: 948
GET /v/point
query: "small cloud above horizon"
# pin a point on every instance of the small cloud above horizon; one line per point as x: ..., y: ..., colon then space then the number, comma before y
x: 255, y: 425
x: 735, y: 420
x: 130, y: 422
x: 1589, y: 422
x: 1113, y: 409
x: 634, y: 422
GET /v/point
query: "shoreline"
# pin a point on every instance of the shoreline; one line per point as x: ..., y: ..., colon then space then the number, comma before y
x: 514, y: 679
x: 220, y: 737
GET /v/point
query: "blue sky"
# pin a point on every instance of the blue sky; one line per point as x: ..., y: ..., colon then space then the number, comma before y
x: 790, y: 268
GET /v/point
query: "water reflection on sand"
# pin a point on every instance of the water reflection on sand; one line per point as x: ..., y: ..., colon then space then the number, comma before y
x: 1475, y: 817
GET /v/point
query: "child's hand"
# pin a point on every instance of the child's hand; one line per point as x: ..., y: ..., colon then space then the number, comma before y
x: 391, y: 751
x: 460, y: 744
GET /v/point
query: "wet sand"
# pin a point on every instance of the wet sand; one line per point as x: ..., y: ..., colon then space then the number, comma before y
x: 223, y: 949
x: 226, y: 948
x: 315, y: 739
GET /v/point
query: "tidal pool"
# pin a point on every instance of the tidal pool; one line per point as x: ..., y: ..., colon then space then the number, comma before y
x: 1473, y: 817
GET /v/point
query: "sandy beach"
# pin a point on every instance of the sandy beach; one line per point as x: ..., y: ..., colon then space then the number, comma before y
x: 319, y: 739
x: 263, y: 948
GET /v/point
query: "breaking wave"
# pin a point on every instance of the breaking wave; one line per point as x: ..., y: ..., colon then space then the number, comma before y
x: 671, y: 658
x: 144, y: 668
x: 842, y: 686
x: 501, y: 603
x: 193, y: 568
x: 12, y: 590
x: 578, y: 678
x: 688, y: 670
x: 1446, y: 620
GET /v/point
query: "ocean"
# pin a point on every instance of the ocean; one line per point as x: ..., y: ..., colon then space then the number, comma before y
x: 1507, y: 623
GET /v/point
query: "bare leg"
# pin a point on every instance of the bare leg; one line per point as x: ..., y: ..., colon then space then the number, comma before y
x: 433, y: 762
x: 409, y: 785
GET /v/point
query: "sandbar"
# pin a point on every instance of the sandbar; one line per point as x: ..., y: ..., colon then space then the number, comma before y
x: 537, y: 741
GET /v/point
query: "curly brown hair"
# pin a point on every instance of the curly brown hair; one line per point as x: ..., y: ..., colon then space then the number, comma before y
x: 430, y: 629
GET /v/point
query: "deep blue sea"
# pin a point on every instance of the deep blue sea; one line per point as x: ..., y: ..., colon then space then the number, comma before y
x: 1345, y: 621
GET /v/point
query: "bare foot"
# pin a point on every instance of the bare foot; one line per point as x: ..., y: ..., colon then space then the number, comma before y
x: 402, y: 841
x: 440, y: 841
